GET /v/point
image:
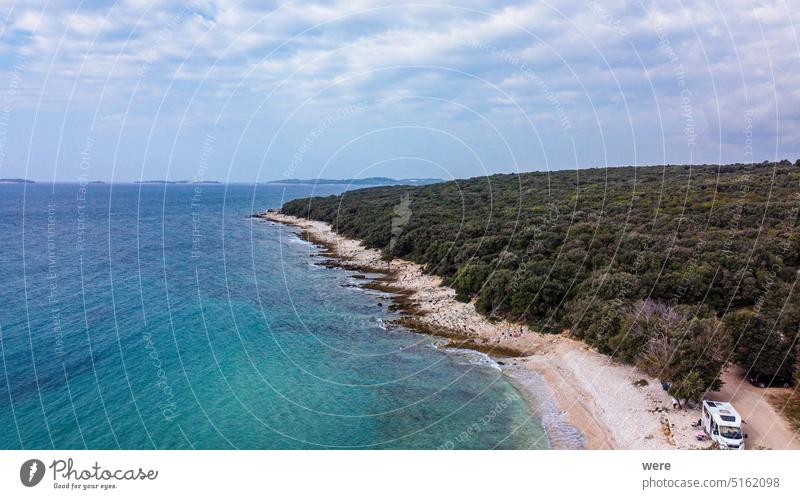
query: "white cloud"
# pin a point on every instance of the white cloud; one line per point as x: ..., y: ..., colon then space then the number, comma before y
x: 577, y: 58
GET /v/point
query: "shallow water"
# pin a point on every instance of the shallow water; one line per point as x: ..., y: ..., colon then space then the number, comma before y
x: 163, y: 317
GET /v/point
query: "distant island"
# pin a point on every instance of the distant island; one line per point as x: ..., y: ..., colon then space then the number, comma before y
x: 16, y: 181
x: 176, y: 182
x: 372, y: 181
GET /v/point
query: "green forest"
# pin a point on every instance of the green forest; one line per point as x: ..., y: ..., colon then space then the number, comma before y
x: 679, y: 269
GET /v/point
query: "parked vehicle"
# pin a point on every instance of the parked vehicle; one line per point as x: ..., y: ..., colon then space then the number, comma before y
x: 722, y: 424
x: 763, y: 380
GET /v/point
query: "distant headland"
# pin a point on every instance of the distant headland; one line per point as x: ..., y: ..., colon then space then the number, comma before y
x: 176, y: 182
x: 372, y: 181
x: 16, y: 181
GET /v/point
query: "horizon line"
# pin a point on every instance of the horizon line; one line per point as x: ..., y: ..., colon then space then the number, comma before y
x: 20, y: 180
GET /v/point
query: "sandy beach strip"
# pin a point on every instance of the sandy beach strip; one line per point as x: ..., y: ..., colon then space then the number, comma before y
x: 613, y: 405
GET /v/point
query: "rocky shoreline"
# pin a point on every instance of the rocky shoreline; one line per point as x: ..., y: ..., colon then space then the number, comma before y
x: 583, y: 398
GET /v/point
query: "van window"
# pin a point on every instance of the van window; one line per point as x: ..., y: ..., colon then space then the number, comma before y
x: 730, y: 432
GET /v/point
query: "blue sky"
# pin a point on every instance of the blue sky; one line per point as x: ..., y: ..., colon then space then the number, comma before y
x: 253, y: 90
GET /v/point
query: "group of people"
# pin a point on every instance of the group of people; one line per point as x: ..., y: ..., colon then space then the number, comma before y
x: 515, y: 334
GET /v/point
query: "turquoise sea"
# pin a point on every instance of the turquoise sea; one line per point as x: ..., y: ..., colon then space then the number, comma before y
x: 161, y: 316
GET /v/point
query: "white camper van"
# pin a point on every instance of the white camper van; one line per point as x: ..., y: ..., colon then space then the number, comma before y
x: 723, y: 424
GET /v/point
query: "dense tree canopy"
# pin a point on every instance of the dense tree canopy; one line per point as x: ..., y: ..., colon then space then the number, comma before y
x: 714, y: 249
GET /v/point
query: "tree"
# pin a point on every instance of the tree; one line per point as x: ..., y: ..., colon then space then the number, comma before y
x: 683, y: 346
x: 470, y: 278
x: 692, y: 386
x: 758, y: 345
x: 656, y: 323
x: 494, y: 293
x: 797, y: 362
x: 701, y: 351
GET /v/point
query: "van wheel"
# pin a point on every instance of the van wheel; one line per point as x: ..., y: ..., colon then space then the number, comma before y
x: 786, y: 385
x: 762, y: 385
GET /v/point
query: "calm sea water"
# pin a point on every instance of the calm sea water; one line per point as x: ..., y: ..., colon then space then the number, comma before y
x: 155, y: 316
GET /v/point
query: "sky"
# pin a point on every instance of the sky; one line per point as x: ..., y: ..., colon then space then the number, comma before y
x: 251, y: 91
